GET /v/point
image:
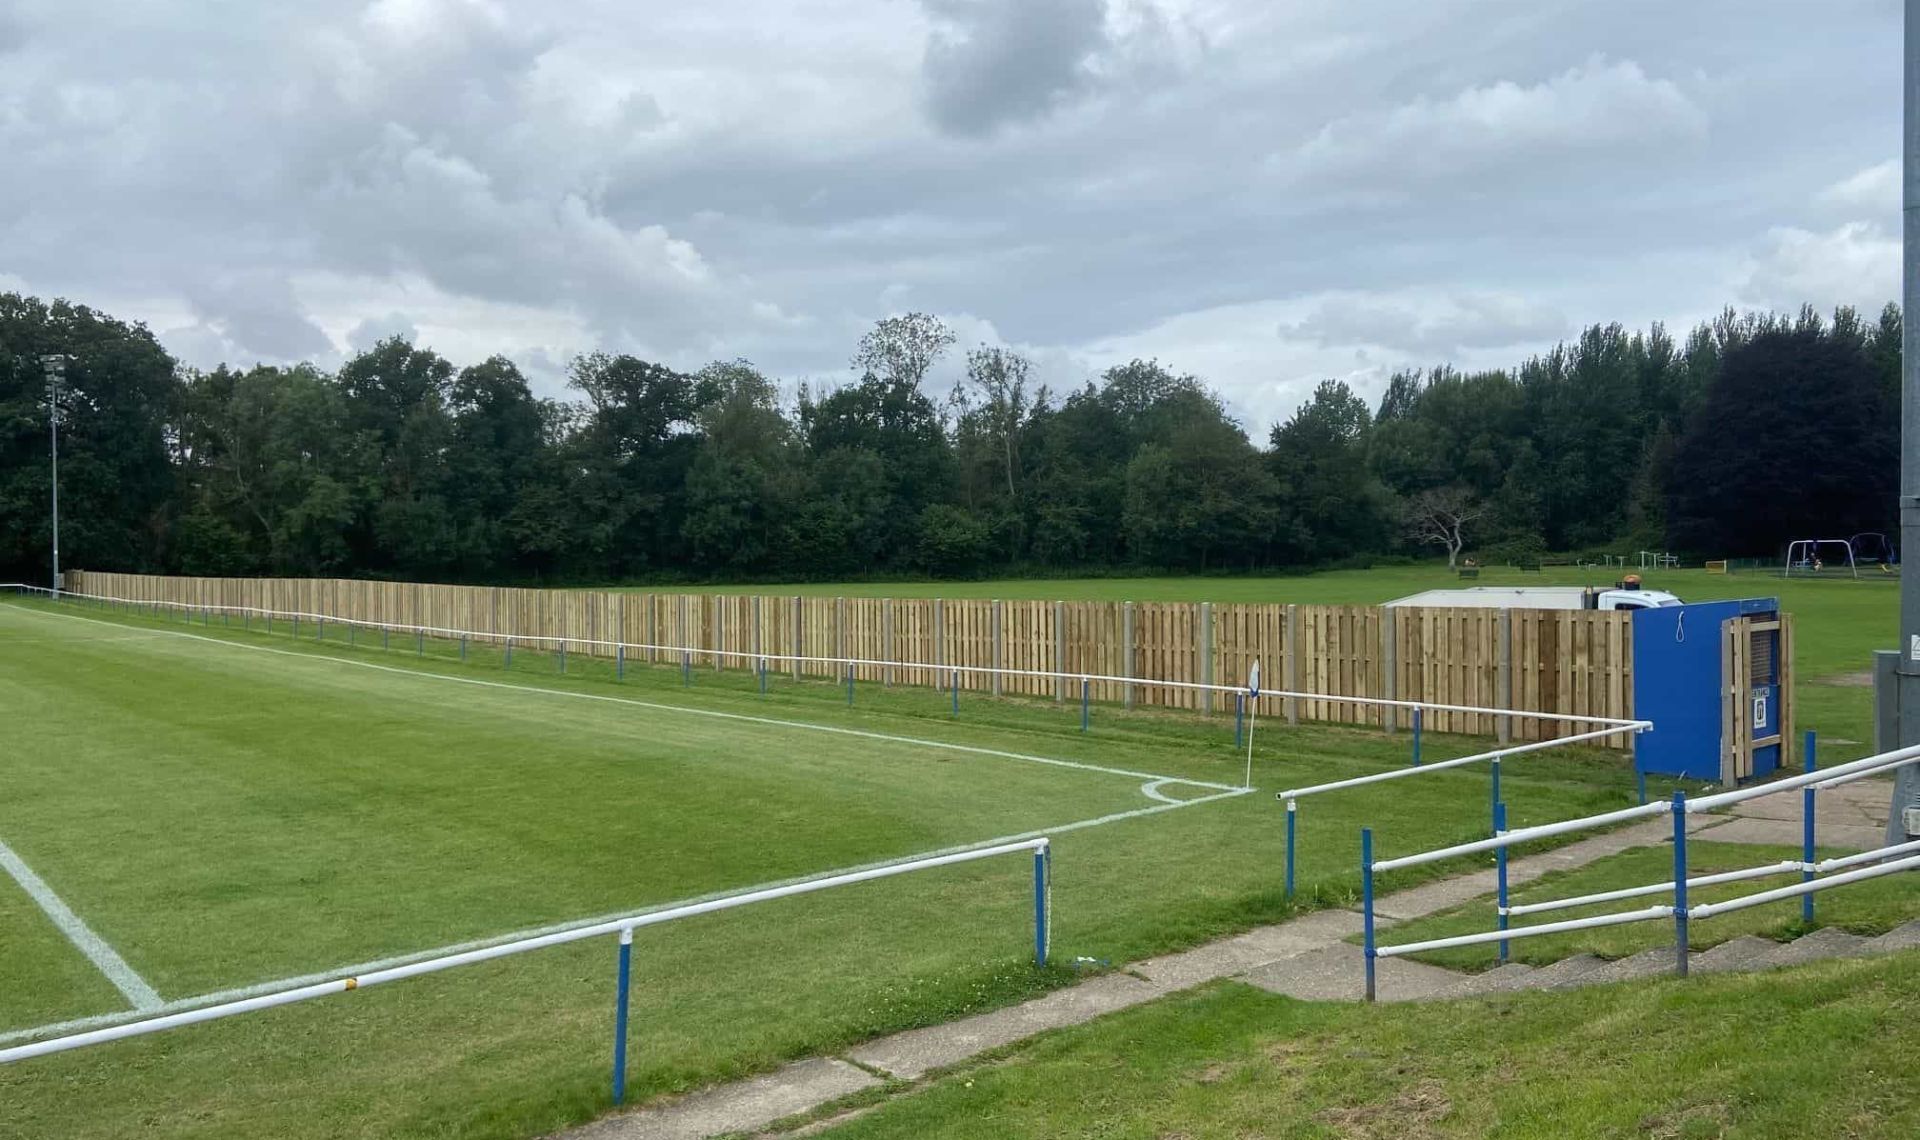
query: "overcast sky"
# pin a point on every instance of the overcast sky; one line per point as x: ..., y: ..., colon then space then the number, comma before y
x: 1264, y: 192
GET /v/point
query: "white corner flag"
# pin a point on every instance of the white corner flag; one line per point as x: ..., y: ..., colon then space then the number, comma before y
x: 1253, y: 713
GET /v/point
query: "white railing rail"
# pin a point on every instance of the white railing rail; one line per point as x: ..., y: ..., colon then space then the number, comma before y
x: 1619, y: 725
x: 1041, y: 849
x: 1818, y: 874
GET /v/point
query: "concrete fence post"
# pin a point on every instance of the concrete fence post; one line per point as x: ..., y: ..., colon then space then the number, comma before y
x: 1126, y: 649
x: 886, y: 634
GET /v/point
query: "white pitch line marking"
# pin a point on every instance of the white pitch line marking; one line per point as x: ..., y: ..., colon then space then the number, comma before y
x: 654, y: 705
x: 260, y: 988
x: 104, y: 957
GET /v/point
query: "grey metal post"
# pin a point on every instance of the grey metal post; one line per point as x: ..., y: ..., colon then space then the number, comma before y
x: 1126, y: 649
x: 56, y: 368
x: 1206, y: 657
x: 1905, y: 690
x: 886, y: 633
x: 939, y: 637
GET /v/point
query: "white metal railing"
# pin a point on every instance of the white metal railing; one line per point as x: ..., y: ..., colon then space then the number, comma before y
x: 1818, y: 875
x: 623, y: 927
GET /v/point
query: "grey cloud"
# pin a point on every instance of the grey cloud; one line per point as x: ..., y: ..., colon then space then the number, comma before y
x: 990, y: 62
x: 1597, y: 106
x: 260, y: 318
x: 373, y: 330
x: 1093, y: 180
x: 1441, y: 327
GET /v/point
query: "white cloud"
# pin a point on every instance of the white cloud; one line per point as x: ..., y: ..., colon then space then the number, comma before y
x: 1873, y: 191
x: 1595, y: 107
x: 1856, y: 264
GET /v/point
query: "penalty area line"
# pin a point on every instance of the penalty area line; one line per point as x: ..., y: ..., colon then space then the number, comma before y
x: 179, y: 1005
x: 104, y: 957
x: 715, y: 714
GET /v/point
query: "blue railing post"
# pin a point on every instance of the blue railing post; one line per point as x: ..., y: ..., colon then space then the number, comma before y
x: 509, y: 661
x: 619, y: 662
x: 849, y: 684
x: 463, y: 649
x: 296, y: 627
x: 386, y: 638
x: 622, y: 988
x: 1640, y: 782
x: 1041, y: 858
x: 763, y: 676
x: 1810, y: 764
x: 1293, y: 812
x: 1680, y: 883
x: 1416, y: 738
x: 1500, y: 873
x: 1086, y: 714
x: 1239, y: 720
x: 953, y: 687
x: 686, y: 669
x: 1366, y: 901
x: 419, y: 643
x: 1497, y: 801
x: 320, y: 629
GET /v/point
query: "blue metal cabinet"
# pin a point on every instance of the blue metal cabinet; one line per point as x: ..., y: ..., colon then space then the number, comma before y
x: 1713, y: 679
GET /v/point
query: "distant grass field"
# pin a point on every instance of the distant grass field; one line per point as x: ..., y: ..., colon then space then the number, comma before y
x: 226, y: 809
x: 1840, y: 622
x: 1820, y: 1051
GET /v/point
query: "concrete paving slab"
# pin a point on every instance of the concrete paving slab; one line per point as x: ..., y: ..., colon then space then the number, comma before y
x: 1786, y: 833
x: 1899, y: 938
x: 1566, y: 973
x: 1826, y: 942
x: 1656, y: 962
x: 1338, y: 973
x: 913, y: 1054
x: 1734, y: 954
x: 740, y: 1107
x: 1499, y: 980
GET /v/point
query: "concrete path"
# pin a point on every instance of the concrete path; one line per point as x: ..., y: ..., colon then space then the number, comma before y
x: 1307, y: 958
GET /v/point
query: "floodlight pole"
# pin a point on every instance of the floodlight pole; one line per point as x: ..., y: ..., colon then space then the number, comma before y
x: 1898, y: 680
x: 56, y: 368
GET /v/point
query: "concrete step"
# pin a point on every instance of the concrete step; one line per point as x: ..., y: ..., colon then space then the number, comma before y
x: 1499, y: 980
x: 1899, y: 938
x: 1826, y: 942
x: 1734, y: 954
x: 1564, y: 974
x: 1652, y: 963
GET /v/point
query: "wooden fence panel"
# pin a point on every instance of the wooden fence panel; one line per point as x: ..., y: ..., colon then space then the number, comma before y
x: 1573, y: 663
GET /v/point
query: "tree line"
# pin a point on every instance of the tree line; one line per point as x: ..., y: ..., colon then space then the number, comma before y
x: 1752, y: 430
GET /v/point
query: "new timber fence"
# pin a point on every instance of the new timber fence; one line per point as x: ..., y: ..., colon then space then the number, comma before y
x: 1573, y: 663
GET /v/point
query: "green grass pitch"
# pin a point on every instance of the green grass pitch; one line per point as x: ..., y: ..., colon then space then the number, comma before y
x: 225, y: 809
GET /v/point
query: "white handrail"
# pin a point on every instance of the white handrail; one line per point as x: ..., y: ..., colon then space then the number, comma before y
x: 1864, y: 774
x: 1619, y: 725
x: 1840, y: 862
x: 1869, y: 764
x: 1442, y: 765
x: 1525, y: 834
x: 1708, y: 910
x: 1783, y: 867
x: 1525, y: 931
x: 520, y: 946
